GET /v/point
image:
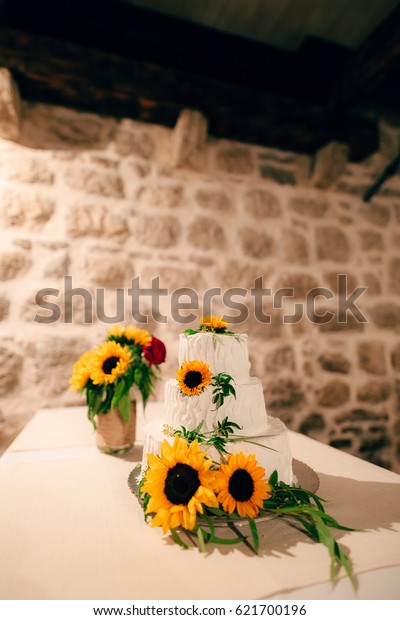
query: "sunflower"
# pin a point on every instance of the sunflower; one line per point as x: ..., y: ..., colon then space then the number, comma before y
x: 213, y: 323
x: 241, y: 485
x: 129, y: 335
x: 81, y: 371
x: 179, y: 483
x: 110, y: 361
x: 193, y: 377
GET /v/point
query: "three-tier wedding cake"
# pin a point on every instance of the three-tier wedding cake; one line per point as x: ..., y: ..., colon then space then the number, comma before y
x: 190, y: 401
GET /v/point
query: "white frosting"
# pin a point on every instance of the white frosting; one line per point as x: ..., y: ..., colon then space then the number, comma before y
x: 247, y: 410
x: 222, y: 353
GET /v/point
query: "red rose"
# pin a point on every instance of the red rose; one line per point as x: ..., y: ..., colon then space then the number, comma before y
x: 155, y: 352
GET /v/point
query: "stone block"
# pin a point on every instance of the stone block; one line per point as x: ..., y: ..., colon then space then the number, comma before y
x: 26, y: 170
x: 395, y: 357
x: 339, y: 443
x: 206, y: 234
x: 372, y: 284
x: 27, y: 211
x: 10, y: 369
x: 282, y: 393
x: 303, y: 169
x: 333, y: 394
x: 334, y: 362
x: 93, y: 181
x: 132, y: 141
x: 330, y: 163
x: 109, y: 270
x: 240, y: 274
x: 10, y: 106
x: 256, y: 244
x: 385, y: 315
x: 375, y: 443
x: 331, y: 279
x: 394, y: 276
x: 332, y: 244
x: 262, y: 204
x: 65, y: 129
x: 308, y: 207
x: 104, y: 162
x: 96, y: 220
x: 300, y: 283
x: 235, y: 159
x: 350, y: 325
x: 12, y: 264
x: 374, y: 392
x: 189, y: 139
x: 167, y: 196
x: 371, y: 357
x: 4, y: 307
x: 280, y: 359
x: 313, y: 425
x: 375, y: 213
x: 295, y: 248
x: 54, y: 358
x: 173, y: 278
x: 213, y: 200
x: 161, y: 232
x: 283, y: 176
x: 58, y: 266
x: 361, y: 415
x: 371, y: 240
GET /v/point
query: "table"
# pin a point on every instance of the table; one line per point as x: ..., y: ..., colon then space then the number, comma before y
x: 71, y: 529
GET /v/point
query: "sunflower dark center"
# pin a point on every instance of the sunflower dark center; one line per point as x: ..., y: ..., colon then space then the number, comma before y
x: 109, y: 364
x: 192, y: 378
x: 181, y: 483
x: 241, y: 485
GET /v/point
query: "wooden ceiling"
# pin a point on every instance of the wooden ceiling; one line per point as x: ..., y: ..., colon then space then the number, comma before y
x: 282, y: 23
x: 112, y: 57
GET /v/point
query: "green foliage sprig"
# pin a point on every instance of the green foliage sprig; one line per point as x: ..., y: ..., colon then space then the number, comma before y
x: 222, y: 388
x: 218, y: 438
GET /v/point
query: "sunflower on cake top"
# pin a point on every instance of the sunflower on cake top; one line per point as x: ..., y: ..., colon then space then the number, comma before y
x: 216, y: 456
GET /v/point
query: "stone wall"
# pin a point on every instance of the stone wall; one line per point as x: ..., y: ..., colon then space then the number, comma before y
x: 105, y: 200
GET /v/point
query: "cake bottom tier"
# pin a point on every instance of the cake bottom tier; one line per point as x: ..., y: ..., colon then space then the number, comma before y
x: 272, y: 450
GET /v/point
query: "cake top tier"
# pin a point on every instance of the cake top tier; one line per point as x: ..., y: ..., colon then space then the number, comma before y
x: 222, y: 352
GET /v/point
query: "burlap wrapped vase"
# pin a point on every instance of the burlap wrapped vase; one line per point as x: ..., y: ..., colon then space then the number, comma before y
x: 113, y: 434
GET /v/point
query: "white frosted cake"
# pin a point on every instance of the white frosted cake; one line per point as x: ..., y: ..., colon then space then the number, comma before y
x: 264, y: 436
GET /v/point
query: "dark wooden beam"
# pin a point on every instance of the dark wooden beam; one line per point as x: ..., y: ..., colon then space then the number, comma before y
x: 143, y: 35
x: 63, y: 73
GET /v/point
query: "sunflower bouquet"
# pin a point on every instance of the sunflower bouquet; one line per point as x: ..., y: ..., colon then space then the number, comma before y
x: 189, y: 495
x: 129, y: 356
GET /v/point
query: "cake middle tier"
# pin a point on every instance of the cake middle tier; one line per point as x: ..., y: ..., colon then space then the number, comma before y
x: 247, y: 410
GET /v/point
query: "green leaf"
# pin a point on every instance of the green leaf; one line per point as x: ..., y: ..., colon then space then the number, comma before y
x: 254, y: 533
x: 121, y: 388
x: 273, y: 479
x: 189, y: 332
x: 124, y: 406
x: 200, y: 536
x: 177, y: 539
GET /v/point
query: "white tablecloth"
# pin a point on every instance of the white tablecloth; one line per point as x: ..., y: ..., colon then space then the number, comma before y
x: 71, y: 529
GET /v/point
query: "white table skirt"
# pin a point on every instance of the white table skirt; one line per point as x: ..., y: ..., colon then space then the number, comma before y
x: 70, y: 528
